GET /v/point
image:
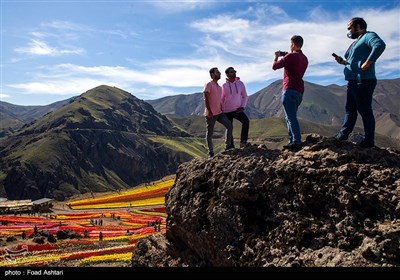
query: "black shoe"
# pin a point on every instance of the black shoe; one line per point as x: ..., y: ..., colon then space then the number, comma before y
x: 229, y: 147
x: 293, y: 146
x: 366, y: 144
x: 341, y: 137
x: 210, y: 155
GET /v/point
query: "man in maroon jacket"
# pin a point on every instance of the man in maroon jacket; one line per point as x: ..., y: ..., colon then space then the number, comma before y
x: 295, y: 64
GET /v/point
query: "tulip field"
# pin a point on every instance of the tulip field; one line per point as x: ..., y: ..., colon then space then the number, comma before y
x: 89, y: 232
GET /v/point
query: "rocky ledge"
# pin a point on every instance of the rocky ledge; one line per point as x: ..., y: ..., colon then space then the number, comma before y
x: 329, y: 204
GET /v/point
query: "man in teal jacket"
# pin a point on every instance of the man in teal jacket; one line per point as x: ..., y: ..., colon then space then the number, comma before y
x: 359, y: 72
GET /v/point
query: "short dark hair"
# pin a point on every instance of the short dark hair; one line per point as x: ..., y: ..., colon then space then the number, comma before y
x: 359, y: 21
x: 230, y: 68
x: 297, y: 40
x: 212, y: 70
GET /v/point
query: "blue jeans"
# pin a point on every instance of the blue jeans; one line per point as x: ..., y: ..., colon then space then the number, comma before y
x: 359, y: 99
x: 291, y: 101
x: 223, y: 119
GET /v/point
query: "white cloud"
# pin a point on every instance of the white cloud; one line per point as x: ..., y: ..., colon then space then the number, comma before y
x: 59, y: 87
x: 65, y: 79
x: 181, y: 6
x: 245, y: 40
x: 251, y: 43
x: 57, y: 38
x: 3, y: 96
x: 38, y: 47
x: 65, y: 26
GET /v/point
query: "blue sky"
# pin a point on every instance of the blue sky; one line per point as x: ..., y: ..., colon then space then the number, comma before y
x: 53, y: 50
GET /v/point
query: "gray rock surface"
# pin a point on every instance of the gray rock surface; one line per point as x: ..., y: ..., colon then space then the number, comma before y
x: 329, y: 204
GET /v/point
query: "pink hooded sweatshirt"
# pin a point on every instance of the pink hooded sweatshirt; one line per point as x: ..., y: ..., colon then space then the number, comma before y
x: 234, y: 95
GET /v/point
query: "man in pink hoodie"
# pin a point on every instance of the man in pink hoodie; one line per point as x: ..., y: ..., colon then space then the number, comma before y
x: 234, y: 100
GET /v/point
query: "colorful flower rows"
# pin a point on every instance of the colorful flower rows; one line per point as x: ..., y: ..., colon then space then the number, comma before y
x: 135, y: 197
x: 123, y: 227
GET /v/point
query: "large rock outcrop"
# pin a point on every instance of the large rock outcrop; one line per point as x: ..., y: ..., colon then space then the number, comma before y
x: 329, y: 204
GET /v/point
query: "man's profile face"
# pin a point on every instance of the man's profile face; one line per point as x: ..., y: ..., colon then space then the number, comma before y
x: 216, y: 74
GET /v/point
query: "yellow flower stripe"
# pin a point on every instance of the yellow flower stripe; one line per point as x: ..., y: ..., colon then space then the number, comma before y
x: 119, y: 257
x: 78, y: 217
x: 141, y: 212
x: 133, y: 224
x: 33, y: 259
x: 125, y: 204
x: 140, y: 190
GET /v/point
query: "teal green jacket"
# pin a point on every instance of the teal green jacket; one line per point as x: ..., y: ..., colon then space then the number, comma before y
x: 370, y: 47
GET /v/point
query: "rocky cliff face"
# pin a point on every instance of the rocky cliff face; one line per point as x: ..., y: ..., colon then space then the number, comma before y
x: 330, y: 204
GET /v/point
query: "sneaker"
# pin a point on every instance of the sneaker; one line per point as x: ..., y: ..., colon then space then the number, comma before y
x: 242, y: 145
x: 366, y: 144
x: 341, y: 137
x: 210, y: 155
x: 293, y: 146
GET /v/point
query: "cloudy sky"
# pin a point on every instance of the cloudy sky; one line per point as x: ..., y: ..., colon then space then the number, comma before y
x: 53, y: 50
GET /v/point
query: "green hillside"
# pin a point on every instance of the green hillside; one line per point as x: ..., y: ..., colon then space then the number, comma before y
x: 97, y: 142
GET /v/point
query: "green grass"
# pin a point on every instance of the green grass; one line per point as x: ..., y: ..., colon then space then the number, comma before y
x: 193, y: 146
x: 43, y: 150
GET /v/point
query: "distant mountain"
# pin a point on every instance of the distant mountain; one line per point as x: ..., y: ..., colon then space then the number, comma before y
x: 13, y: 117
x: 321, y: 104
x: 180, y: 105
x: 97, y: 142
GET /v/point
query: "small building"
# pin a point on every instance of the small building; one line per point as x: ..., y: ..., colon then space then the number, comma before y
x: 13, y: 206
x: 43, y: 204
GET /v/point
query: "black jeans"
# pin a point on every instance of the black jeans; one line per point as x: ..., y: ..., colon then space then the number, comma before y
x: 241, y: 117
x: 359, y: 99
x: 221, y: 118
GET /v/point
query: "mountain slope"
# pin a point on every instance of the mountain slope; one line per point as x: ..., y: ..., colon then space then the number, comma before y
x: 179, y: 105
x: 97, y: 142
x: 13, y: 117
x: 105, y: 107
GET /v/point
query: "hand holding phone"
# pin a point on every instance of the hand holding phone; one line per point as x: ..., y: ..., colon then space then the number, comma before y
x: 338, y: 59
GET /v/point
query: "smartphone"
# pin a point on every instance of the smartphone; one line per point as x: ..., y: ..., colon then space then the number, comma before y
x: 335, y: 55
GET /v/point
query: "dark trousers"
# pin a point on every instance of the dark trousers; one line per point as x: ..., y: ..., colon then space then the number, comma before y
x: 221, y: 118
x: 359, y: 99
x: 241, y: 117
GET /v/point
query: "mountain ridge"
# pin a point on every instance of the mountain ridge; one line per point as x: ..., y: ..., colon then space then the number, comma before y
x: 96, y: 142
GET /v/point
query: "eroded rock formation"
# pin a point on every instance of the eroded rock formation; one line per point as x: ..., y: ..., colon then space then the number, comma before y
x: 329, y: 204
